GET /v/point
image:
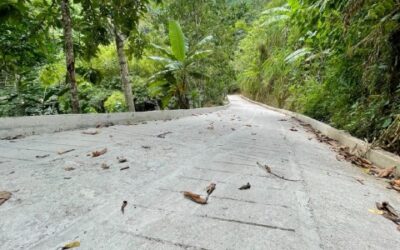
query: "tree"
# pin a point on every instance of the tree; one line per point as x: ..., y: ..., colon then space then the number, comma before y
x: 69, y: 54
x: 178, y: 66
x: 121, y: 18
x: 123, y: 64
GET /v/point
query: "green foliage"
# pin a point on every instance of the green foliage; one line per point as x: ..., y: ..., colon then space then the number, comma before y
x: 115, y: 102
x: 332, y: 60
x: 179, y: 78
x: 194, y: 70
x: 177, y: 40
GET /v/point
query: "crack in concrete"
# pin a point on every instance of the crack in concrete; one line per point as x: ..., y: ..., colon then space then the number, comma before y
x: 249, y: 223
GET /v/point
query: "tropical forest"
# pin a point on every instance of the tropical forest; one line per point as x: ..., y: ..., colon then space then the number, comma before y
x: 337, y: 61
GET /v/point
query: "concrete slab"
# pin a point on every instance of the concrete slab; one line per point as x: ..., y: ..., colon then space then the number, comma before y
x: 327, y: 208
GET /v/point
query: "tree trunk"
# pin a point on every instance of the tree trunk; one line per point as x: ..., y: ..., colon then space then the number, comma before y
x: 126, y: 86
x: 69, y: 55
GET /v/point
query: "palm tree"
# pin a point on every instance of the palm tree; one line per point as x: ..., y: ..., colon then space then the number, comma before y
x: 179, y: 67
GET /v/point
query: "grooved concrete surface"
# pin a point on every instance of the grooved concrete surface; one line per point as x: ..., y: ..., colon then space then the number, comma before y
x: 326, y: 209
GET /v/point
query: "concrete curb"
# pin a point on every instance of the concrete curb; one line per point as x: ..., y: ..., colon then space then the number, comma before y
x: 378, y: 157
x: 29, y: 125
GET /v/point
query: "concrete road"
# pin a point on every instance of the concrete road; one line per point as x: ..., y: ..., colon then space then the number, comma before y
x: 326, y: 208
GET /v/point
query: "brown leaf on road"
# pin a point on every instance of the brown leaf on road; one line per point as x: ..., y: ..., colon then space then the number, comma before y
x: 121, y: 159
x: 382, y: 173
x: 69, y: 168
x: 211, y: 188
x: 65, y: 151
x: 394, y: 184
x: 97, y: 153
x: 4, y: 196
x: 71, y: 245
x: 42, y: 156
x: 124, y: 204
x: 146, y: 147
x: 388, y: 212
x: 124, y: 168
x: 195, y: 197
x: 293, y: 129
x: 244, y: 187
x: 233, y: 129
x: 248, y: 125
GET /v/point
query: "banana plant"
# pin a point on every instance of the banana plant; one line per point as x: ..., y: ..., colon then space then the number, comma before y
x: 179, y: 73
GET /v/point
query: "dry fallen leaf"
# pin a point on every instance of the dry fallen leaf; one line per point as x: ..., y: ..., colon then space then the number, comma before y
x: 244, y: 187
x: 42, y: 156
x: 69, y: 168
x: 195, y: 197
x: 71, y: 245
x: 121, y: 159
x: 293, y: 129
x: 386, y: 172
x: 4, y: 196
x: 395, y: 182
x: 124, y: 204
x: 382, y: 173
x: 388, y: 212
x: 124, y: 168
x: 211, y: 188
x: 99, y: 152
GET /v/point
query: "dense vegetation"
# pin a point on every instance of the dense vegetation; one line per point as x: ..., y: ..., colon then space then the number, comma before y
x: 63, y: 56
x: 334, y: 60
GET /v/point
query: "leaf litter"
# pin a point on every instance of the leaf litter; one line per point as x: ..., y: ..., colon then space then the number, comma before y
x: 389, y: 212
x: 357, y: 160
x: 198, y: 198
x: 42, y: 156
x: 244, y: 187
x: 121, y: 159
x: 97, y: 153
x: 124, y: 204
x: 4, y: 196
x: 71, y: 245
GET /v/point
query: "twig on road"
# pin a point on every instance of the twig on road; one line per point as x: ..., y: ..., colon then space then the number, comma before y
x: 268, y: 169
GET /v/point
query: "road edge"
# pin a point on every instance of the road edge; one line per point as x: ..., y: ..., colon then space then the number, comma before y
x: 32, y: 125
x: 378, y: 157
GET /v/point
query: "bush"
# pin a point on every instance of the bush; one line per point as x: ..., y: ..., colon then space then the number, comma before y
x: 115, y: 102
